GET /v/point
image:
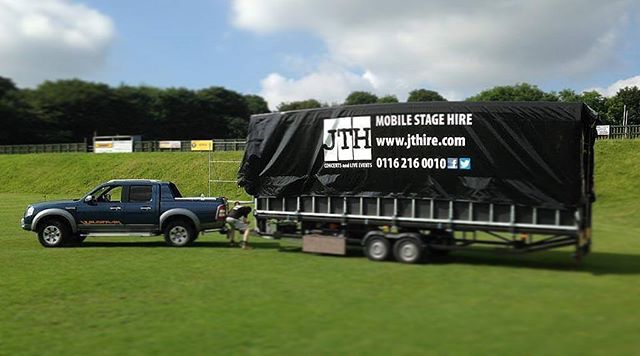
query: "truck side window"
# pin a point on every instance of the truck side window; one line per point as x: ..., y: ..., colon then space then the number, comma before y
x: 111, y: 194
x: 140, y: 193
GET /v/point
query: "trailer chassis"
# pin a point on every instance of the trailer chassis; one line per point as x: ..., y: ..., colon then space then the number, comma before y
x: 436, y: 226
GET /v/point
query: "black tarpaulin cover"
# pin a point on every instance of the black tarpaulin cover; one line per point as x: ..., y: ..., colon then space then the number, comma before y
x: 529, y: 153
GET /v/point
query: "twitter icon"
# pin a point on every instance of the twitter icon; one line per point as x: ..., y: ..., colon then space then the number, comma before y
x: 464, y: 163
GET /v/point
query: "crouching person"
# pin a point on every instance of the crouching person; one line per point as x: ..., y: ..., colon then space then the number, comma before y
x: 237, y: 220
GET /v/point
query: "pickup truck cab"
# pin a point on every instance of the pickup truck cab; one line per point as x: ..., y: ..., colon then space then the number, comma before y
x: 131, y: 207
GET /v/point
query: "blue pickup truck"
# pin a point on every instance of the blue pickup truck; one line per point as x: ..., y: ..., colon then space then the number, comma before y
x: 132, y: 207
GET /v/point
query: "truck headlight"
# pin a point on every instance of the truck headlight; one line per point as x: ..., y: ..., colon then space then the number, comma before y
x: 29, y: 212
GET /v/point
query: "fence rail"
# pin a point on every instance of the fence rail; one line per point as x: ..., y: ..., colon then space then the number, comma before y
x: 44, y: 148
x: 138, y: 146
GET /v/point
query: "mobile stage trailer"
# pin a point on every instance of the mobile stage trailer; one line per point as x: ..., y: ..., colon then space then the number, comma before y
x: 416, y: 179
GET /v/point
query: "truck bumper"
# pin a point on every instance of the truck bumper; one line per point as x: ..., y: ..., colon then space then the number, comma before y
x: 25, y: 226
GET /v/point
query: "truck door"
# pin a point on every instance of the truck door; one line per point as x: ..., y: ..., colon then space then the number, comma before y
x: 141, y: 208
x: 104, y: 212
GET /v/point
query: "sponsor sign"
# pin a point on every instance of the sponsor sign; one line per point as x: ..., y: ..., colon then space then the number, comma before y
x: 104, y: 145
x: 603, y: 130
x: 125, y: 146
x: 170, y: 144
x: 202, y: 145
x: 122, y: 147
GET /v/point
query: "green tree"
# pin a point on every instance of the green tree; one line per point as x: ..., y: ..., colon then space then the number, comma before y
x: 597, y: 102
x: 75, y: 108
x: 592, y: 98
x: 424, y: 95
x: 179, y: 113
x: 18, y: 120
x: 518, y: 92
x: 299, y: 105
x: 256, y: 104
x: 629, y: 96
x: 133, y: 110
x: 360, y: 97
x: 6, y: 86
x: 569, y: 96
x: 221, y: 107
x: 388, y: 99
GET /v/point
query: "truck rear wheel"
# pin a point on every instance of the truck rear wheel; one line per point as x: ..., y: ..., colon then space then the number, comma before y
x: 54, y: 233
x: 179, y: 233
x: 408, y: 250
x: 377, y: 248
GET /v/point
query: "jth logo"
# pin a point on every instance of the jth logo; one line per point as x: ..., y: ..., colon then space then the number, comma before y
x: 347, y: 139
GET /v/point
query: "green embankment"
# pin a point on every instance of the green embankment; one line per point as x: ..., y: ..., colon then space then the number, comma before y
x: 121, y: 295
x: 76, y: 173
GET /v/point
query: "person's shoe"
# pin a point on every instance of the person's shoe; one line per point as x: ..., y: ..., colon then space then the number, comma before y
x: 246, y: 246
x: 233, y: 244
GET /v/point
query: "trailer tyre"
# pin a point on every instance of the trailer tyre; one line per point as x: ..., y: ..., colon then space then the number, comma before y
x: 377, y: 248
x: 408, y: 250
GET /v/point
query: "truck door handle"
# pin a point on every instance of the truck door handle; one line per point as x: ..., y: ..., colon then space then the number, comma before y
x: 145, y: 208
x: 115, y: 208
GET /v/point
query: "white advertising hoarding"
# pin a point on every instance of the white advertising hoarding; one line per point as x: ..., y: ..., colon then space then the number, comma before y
x: 170, y: 144
x: 603, y: 130
x: 115, y: 144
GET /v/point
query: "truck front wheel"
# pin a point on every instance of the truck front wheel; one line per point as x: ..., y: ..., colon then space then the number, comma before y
x: 377, y: 248
x: 179, y: 233
x: 54, y: 233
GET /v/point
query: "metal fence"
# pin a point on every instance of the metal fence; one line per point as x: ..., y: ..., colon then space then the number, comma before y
x: 44, y: 148
x: 218, y: 145
x: 622, y: 132
x: 138, y: 146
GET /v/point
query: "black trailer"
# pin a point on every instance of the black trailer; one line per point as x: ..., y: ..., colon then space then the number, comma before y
x: 416, y: 179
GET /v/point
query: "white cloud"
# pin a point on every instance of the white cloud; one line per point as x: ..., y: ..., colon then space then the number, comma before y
x: 328, y: 85
x: 452, y: 46
x: 612, y: 89
x: 51, y: 39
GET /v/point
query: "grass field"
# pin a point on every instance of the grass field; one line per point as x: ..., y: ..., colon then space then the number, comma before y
x: 135, y: 296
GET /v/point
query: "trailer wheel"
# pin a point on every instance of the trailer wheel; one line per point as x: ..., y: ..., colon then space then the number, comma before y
x: 408, y: 250
x: 377, y: 248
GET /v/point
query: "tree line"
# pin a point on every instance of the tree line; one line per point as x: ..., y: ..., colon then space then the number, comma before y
x: 609, y: 109
x: 74, y: 110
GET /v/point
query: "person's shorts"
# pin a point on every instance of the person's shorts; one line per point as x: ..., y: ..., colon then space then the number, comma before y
x: 236, y: 223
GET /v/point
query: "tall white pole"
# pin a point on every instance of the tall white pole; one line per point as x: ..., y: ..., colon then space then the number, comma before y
x: 625, y: 118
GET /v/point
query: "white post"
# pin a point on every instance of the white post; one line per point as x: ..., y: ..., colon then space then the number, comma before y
x: 625, y: 121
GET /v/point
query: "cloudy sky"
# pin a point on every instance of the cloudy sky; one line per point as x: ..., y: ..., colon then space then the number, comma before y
x: 290, y: 50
